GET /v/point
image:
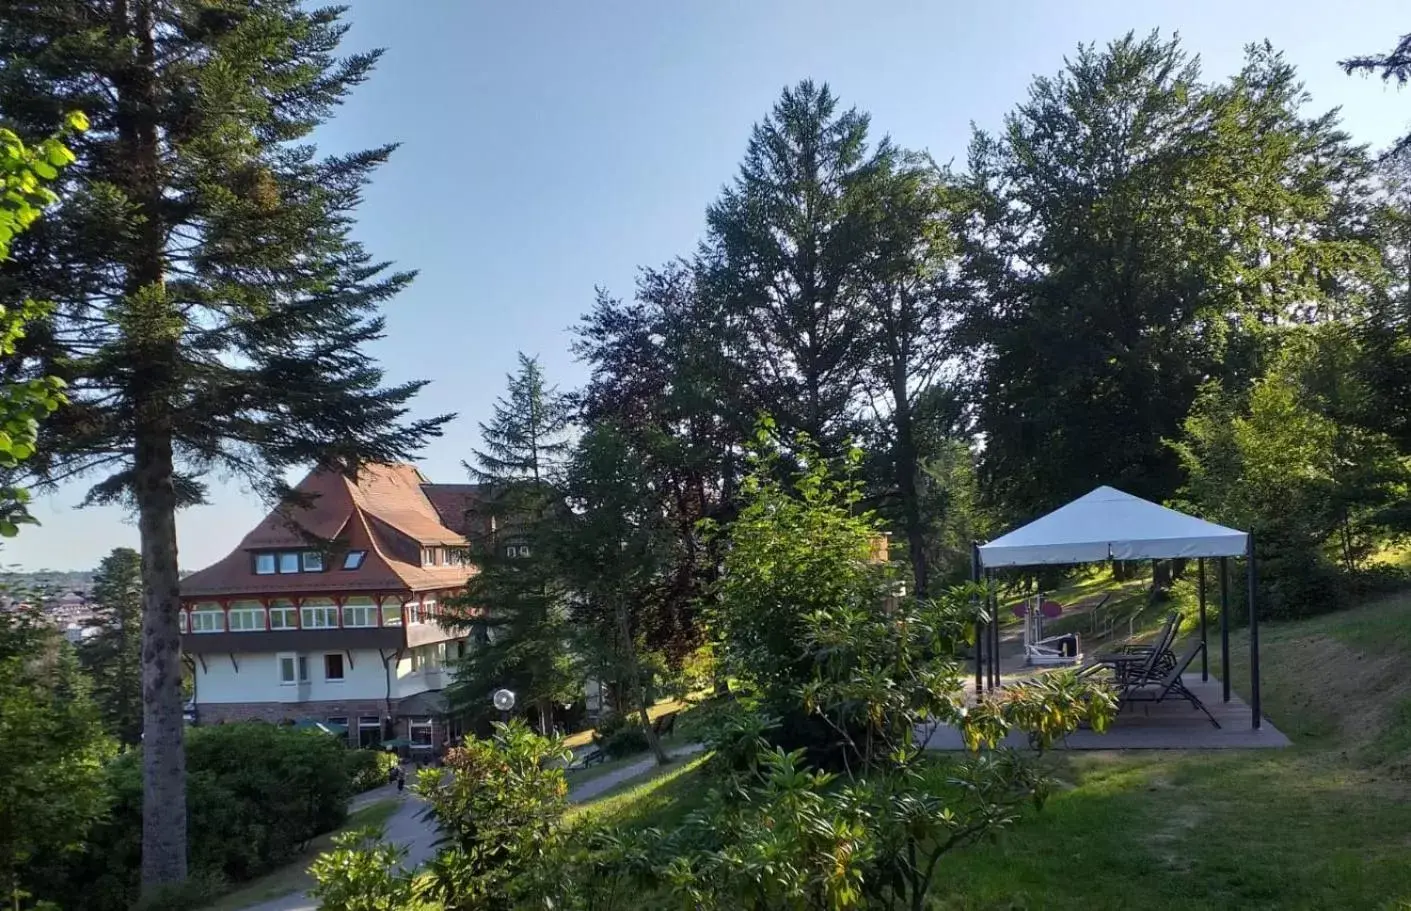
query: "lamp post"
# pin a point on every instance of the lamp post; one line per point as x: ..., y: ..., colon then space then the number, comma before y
x: 503, y: 700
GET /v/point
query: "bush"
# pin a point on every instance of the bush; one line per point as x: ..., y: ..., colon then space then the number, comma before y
x: 368, y: 769
x: 620, y: 735
x: 256, y: 794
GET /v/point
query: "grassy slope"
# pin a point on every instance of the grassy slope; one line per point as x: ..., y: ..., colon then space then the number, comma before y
x: 293, y: 878
x: 1325, y: 824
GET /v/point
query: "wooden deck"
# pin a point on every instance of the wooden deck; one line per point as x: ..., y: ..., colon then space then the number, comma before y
x: 1170, y: 725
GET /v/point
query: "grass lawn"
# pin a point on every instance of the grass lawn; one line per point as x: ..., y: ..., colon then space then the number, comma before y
x: 1325, y: 824
x: 583, y: 738
x: 292, y: 877
x: 660, y: 797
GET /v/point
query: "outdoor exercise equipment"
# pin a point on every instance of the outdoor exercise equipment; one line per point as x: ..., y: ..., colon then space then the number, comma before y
x: 1040, y: 650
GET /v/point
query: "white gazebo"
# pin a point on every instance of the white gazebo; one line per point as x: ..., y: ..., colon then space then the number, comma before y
x: 1108, y: 524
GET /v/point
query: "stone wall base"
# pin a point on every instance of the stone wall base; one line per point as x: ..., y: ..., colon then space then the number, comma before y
x: 349, y: 709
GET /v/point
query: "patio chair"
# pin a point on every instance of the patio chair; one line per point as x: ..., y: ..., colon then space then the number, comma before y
x: 1154, y: 690
x: 1138, y: 662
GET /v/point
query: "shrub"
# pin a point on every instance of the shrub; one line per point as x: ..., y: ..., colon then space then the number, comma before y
x: 368, y: 769
x: 498, y: 813
x: 627, y: 740
x: 255, y: 795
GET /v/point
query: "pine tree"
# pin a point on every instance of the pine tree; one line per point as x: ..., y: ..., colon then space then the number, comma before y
x: 211, y: 308
x: 527, y: 439
x: 113, y: 658
x: 519, y: 609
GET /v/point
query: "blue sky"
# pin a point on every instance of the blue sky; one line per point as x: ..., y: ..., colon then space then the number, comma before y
x: 551, y: 146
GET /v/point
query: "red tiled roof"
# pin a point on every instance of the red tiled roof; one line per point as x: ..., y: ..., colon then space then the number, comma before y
x: 339, y: 515
x: 455, y: 504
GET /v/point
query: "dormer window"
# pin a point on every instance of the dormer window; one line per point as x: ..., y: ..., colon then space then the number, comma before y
x: 287, y: 562
x: 354, y: 559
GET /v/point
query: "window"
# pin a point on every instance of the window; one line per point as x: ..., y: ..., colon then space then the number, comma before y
x: 282, y: 616
x: 293, y: 669
x: 460, y: 648
x: 369, y: 731
x: 289, y: 561
x: 419, y: 732
x: 208, y: 621
x: 333, y: 667
x: 313, y: 561
x: 320, y: 617
x: 391, y: 614
x: 418, y: 661
x: 247, y: 619
x: 353, y: 559
x: 338, y: 720
x: 181, y: 620
x: 264, y: 564
x: 517, y: 550
x: 359, y: 615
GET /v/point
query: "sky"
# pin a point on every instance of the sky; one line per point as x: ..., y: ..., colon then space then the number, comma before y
x: 550, y: 147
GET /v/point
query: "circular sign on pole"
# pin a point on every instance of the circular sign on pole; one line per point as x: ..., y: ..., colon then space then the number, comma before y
x: 503, y: 699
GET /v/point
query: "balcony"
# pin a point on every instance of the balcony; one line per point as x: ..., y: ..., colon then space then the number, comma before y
x: 294, y: 640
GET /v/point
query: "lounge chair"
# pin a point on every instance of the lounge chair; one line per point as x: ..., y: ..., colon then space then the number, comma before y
x: 1154, y: 689
x: 1138, y: 662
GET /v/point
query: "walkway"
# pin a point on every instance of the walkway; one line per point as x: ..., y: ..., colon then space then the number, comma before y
x: 604, y: 783
x: 406, y: 827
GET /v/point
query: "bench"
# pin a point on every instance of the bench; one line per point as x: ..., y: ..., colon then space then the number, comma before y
x: 586, y: 758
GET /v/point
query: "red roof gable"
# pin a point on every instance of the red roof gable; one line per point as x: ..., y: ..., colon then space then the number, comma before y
x: 385, y: 512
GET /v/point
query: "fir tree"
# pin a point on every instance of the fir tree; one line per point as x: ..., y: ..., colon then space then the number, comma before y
x: 113, y: 658
x: 211, y: 308
x: 521, y: 636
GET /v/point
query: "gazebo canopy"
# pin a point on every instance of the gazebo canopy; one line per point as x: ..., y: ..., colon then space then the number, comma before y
x: 1109, y: 524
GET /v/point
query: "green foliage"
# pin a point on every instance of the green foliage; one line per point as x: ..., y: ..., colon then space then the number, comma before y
x: 25, y: 172
x: 796, y: 548
x: 256, y: 795
x: 1316, y: 490
x: 619, y: 737
x: 517, y: 601
x: 113, y: 658
x: 497, y: 813
x: 362, y: 873
x: 1135, y: 230
x: 368, y: 769
x: 52, y: 750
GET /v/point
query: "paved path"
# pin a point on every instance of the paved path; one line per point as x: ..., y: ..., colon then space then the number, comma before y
x: 405, y: 827
x: 592, y: 788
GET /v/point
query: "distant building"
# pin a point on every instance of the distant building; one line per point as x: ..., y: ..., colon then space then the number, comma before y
x: 332, y: 612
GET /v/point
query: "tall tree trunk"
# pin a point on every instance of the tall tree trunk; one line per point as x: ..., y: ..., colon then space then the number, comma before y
x: 163, y: 750
x: 904, y: 463
x: 152, y: 332
x: 634, y: 681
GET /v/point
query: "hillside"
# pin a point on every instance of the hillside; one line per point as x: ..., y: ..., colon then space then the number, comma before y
x: 1321, y: 825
